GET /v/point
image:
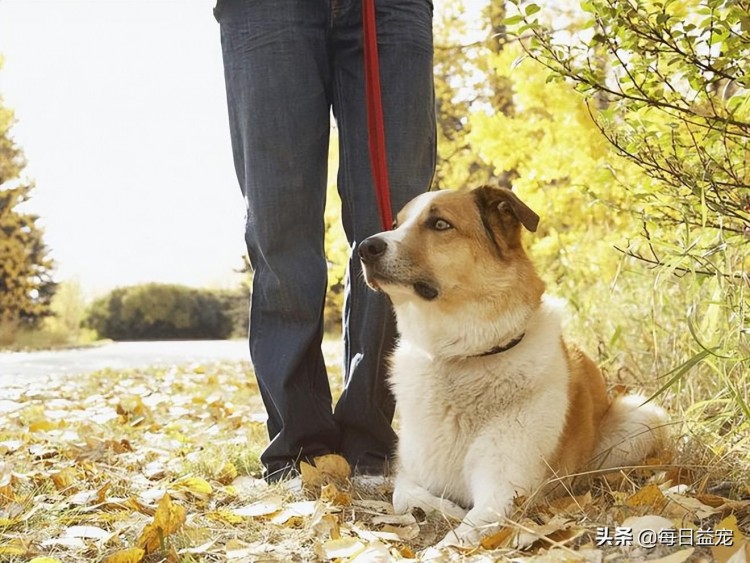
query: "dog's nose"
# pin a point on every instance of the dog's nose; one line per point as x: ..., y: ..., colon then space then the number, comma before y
x: 371, y: 248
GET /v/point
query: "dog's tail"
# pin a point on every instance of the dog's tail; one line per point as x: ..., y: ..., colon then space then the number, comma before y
x: 630, y: 432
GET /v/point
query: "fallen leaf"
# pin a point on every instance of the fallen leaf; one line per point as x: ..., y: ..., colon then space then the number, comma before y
x: 649, y: 496
x: 154, y: 471
x: 71, y: 543
x: 83, y: 498
x: 64, y: 479
x: 403, y: 533
x: 530, y: 532
x: 237, y: 549
x: 43, y: 425
x: 101, y: 492
x: 327, y: 525
x: 340, y: 548
x: 131, y: 409
x: 44, y: 560
x: 244, y: 484
x: 567, y: 503
x: 334, y: 466
x: 725, y: 553
x: 498, y: 539
x: 15, y: 547
x: 295, y: 510
x: 130, y: 555
x: 168, y: 518
x: 375, y: 552
x: 87, y: 532
x: 331, y: 493
x: 679, y: 506
x: 649, y: 522
x: 226, y: 516
x: 265, y: 507
x: 227, y: 473
x: 331, y: 468
x: 6, y: 485
x: 196, y: 486
x: 201, y: 549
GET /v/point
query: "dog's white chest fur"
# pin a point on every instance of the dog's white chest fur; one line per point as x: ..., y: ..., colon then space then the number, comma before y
x: 455, y: 411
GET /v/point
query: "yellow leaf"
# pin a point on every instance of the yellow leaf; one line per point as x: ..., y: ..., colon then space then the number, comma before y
x: 333, y: 466
x: 130, y: 405
x: 101, y: 492
x: 331, y: 493
x: 42, y: 425
x: 8, y: 521
x: 168, y: 518
x: 650, y: 496
x: 567, y: 503
x: 44, y: 560
x: 196, y: 486
x: 12, y: 549
x: 722, y: 553
x: 226, y: 516
x: 64, y: 478
x: 227, y: 473
x: 131, y: 555
x: 406, y: 552
x: 311, y: 477
x: 328, y: 525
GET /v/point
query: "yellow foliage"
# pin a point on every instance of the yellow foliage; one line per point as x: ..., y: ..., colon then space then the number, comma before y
x: 196, y: 486
x: 650, y: 496
x: 331, y: 468
x: 168, y: 519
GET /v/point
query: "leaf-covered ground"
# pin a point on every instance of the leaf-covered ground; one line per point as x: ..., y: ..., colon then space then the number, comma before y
x: 162, y: 465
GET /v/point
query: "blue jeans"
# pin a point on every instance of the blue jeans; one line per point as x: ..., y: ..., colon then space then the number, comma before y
x: 287, y: 63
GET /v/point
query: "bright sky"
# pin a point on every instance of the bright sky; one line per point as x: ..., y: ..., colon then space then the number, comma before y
x: 121, y: 113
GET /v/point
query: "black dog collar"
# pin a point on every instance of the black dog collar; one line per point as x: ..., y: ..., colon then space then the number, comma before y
x: 504, y: 348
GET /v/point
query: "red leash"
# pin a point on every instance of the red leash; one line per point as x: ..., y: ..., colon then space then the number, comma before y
x: 375, y: 126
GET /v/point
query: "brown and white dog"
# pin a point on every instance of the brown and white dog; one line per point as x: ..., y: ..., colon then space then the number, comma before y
x: 492, y: 401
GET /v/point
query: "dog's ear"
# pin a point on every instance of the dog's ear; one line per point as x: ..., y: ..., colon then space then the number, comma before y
x: 503, y: 213
x: 505, y: 201
x: 511, y: 202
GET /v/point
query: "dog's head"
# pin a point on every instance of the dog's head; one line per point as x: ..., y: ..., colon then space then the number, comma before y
x: 456, y: 251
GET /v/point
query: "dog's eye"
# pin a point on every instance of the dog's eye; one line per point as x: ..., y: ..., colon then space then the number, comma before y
x: 441, y: 225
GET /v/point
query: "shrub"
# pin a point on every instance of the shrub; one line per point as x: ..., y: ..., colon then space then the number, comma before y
x: 160, y: 312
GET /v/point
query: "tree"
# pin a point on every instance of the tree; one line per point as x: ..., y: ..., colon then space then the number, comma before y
x: 667, y: 86
x: 26, y: 285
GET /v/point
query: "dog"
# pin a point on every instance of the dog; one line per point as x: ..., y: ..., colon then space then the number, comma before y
x: 492, y: 401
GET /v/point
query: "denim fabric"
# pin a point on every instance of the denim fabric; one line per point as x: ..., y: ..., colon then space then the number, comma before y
x: 287, y: 63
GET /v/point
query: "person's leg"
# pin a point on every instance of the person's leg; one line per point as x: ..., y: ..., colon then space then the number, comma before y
x: 277, y: 78
x: 366, y: 407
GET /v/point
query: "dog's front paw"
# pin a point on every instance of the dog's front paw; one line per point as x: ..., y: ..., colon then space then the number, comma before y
x: 408, y: 497
x: 462, y: 536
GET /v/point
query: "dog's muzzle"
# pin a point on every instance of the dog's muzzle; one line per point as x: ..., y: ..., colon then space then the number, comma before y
x: 371, y: 249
